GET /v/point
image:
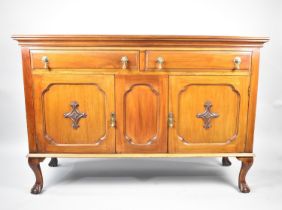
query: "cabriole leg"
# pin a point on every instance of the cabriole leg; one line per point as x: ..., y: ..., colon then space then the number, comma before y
x: 53, y: 162
x: 247, y: 162
x: 34, y: 164
x: 226, y: 161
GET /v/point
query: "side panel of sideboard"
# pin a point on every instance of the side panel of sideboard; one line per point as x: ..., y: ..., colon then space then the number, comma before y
x: 29, y: 103
x: 252, y: 100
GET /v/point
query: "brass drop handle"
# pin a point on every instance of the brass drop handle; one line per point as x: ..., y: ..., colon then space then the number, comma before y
x: 160, y: 62
x: 170, y: 120
x: 45, y: 61
x: 124, y: 62
x: 237, y: 61
x: 113, y: 120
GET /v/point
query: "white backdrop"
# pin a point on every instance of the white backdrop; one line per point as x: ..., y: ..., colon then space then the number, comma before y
x: 198, y: 17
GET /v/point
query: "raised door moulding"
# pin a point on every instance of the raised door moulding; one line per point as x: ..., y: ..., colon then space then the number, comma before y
x: 229, y: 140
x: 52, y: 140
x: 151, y: 140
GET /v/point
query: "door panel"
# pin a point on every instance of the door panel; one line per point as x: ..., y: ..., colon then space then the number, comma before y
x: 209, y: 113
x: 73, y: 113
x: 141, y: 114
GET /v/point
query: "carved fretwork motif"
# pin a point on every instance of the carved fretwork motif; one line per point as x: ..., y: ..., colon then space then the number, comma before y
x: 207, y: 115
x: 75, y: 115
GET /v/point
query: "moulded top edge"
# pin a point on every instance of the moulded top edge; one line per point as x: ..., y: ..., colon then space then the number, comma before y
x: 139, y: 40
x: 139, y: 37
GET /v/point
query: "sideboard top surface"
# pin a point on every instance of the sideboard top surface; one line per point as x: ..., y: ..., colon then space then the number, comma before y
x: 139, y: 40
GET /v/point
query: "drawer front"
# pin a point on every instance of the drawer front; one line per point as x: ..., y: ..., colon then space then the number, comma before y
x: 197, y: 60
x: 72, y: 59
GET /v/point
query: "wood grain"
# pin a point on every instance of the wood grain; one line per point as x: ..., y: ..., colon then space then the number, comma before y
x: 141, y: 113
x: 95, y: 96
x: 140, y: 155
x: 247, y: 163
x: 87, y: 69
x: 183, y: 60
x: 252, y: 101
x: 139, y: 40
x: 34, y: 164
x: 229, y: 96
x: 75, y: 59
x: 29, y: 103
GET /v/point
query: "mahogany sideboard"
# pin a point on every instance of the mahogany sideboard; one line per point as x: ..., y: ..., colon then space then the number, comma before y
x: 121, y: 96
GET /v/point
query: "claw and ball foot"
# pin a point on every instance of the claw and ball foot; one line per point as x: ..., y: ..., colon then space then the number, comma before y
x: 247, y: 162
x: 34, y: 164
x: 226, y: 161
x: 53, y: 162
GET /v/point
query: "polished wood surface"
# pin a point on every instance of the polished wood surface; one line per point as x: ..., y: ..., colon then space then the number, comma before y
x: 29, y: 103
x: 85, y: 102
x: 247, y: 163
x: 141, y: 114
x: 229, y: 98
x: 77, y: 59
x: 139, y: 40
x: 140, y: 155
x: 53, y: 95
x: 252, y: 101
x: 184, y: 60
x: 34, y: 164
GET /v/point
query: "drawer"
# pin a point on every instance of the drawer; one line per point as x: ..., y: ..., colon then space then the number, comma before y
x: 197, y: 60
x: 73, y: 59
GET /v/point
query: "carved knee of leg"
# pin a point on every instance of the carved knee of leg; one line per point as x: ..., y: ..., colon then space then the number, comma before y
x: 247, y: 162
x: 34, y: 164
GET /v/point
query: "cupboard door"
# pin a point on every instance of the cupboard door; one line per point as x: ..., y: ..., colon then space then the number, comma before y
x: 209, y: 114
x: 73, y: 113
x: 141, y: 106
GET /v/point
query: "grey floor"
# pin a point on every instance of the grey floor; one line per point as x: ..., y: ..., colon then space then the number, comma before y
x: 200, y: 183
